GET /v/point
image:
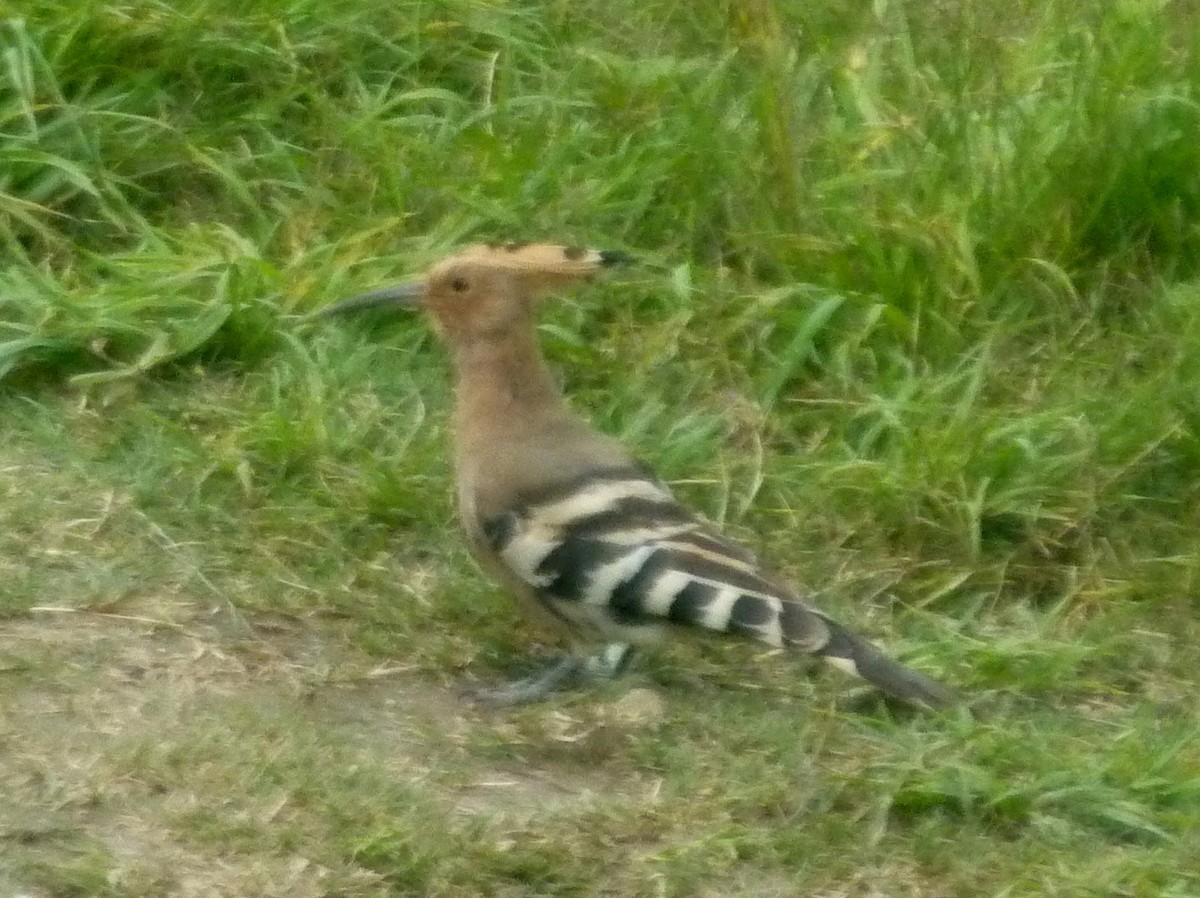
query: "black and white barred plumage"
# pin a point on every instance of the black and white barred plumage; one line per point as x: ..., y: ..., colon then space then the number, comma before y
x: 613, y: 553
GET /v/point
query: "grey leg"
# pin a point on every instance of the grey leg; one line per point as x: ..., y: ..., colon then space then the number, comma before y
x: 538, y: 686
x: 610, y: 662
x: 569, y: 671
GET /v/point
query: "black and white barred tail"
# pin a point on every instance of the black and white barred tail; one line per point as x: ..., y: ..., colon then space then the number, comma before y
x: 614, y: 553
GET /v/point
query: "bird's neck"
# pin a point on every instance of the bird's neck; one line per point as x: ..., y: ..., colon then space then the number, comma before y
x: 513, y: 431
x: 503, y: 381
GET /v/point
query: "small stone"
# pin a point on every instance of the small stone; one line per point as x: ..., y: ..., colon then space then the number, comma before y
x: 639, y: 707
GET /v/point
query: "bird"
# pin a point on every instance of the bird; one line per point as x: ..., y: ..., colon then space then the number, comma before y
x: 572, y: 523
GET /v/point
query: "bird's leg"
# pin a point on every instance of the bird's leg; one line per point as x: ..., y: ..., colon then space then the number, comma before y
x: 608, y: 663
x: 559, y: 674
x: 569, y: 671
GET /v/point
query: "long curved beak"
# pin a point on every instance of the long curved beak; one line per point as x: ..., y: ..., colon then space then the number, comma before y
x: 400, y: 296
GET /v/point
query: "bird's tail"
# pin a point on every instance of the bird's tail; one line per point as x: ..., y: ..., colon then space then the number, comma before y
x: 851, y: 653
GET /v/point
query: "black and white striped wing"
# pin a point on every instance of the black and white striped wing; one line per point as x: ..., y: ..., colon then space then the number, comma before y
x: 616, y: 548
x: 619, y: 545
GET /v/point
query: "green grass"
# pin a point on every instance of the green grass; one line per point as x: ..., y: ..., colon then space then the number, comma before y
x: 918, y: 315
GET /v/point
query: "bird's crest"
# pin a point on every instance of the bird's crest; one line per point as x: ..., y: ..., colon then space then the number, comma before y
x: 537, y: 266
x: 538, y: 258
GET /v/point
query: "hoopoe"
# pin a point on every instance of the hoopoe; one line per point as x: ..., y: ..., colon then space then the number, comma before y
x: 569, y: 520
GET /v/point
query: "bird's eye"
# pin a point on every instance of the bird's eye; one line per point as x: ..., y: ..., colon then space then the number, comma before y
x: 459, y: 285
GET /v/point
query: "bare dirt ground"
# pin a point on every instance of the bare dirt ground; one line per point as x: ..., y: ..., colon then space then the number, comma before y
x: 94, y: 706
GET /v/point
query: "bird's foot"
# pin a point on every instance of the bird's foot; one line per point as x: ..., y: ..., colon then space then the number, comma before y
x: 561, y: 674
x: 567, y: 672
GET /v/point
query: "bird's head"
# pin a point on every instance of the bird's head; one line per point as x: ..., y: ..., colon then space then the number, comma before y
x: 486, y: 290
